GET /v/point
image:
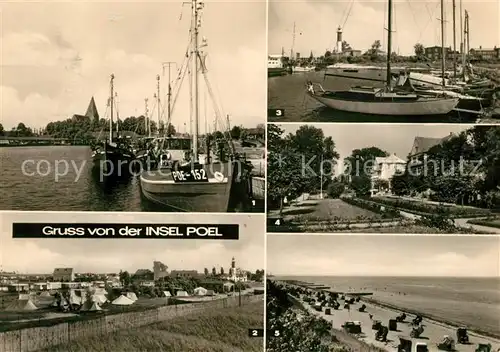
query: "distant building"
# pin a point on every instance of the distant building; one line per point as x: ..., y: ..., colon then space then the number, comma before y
x: 91, y: 113
x: 384, y: 170
x: 147, y: 283
x: 485, y: 54
x: 435, y: 53
x: 184, y: 273
x: 274, y: 61
x: 351, y: 53
x: 297, y: 56
x: 63, y: 274
x: 418, y: 153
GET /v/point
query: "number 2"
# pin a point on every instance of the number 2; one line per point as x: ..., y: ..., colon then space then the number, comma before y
x: 255, y: 333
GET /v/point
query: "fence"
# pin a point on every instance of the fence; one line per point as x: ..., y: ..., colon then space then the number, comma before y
x: 36, y: 338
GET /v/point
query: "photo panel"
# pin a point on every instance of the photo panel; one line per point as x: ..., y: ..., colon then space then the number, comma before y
x: 388, y: 61
x: 128, y: 283
x: 383, y: 293
x: 406, y: 179
x: 157, y: 106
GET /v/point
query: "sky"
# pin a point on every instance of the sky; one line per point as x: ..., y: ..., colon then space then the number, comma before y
x: 56, y: 55
x: 316, y: 23
x: 392, y: 138
x: 352, y: 255
x: 39, y: 256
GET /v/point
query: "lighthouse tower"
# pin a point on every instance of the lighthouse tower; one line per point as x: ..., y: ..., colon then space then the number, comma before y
x: 233, y: 269
x: 339, y: 40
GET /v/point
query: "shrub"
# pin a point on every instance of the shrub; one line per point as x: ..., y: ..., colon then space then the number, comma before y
x: 386, y: 211
x: 335, y: 189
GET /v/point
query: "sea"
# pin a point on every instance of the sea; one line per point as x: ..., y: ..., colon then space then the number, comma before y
x: 22, y: 187
x: 288, y: 93
x: 472, y: 302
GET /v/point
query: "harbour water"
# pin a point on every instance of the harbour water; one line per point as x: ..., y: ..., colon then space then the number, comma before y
x: 75, y: 191
x: 472, y: 302
x: 289, y: 93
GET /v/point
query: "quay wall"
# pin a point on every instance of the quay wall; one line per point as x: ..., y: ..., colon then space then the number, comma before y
x: 37, y: 338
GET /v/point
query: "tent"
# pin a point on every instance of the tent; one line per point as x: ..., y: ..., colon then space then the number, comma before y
x: 95, y: 307
x: 210, y: 293
x: 24, y: 296
x: 21, y: 304
x: 132, y: 296
x: 200, y: 291
x: 45, y: 294
x: 167, y: 294
x: 75, y: 297
x: 122, y: 301
x: 100, y: 299
x: 182, y: 294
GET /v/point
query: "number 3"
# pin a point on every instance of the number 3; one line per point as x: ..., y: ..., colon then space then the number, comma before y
x: 278, y: 112
x: 276, y: 333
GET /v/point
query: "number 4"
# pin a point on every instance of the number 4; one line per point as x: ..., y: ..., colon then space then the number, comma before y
x: 277, y: 222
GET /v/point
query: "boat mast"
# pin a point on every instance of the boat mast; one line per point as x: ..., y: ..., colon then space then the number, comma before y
x: 196, y: 4
x: 462, y: 38
x: 389, y: 44
x: 454, y: 43
x: 443, y: 49
x: 467, y: 38
x: 158, y: 101
x: 117, y: 117
x: 146, y: 118
x: 293, y: 43
x: 111, y: 103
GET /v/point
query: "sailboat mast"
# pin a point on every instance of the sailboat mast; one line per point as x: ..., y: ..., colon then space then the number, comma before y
x: 111, y: 103
x: 117, y: 117
x: 389, y: 45
x: 443, y: 49
x: 461, y: 31
x: 196, y: 7
x: 158, y: 101
x: 293, y: 43
x: 454, y: 42
x: 146, y: 118
x: 467, y: 26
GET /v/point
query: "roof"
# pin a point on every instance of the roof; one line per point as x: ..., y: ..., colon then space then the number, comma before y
x: 424, y: 144
x: 92, y: 110
x: 391, y: 159
x: 63, y: 271
x: 122, y: 301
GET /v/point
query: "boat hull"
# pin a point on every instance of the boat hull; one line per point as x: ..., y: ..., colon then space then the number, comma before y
x: 113, y: 162
x: 159, y: 187
x: 276, y: 71
x: 418, y: 107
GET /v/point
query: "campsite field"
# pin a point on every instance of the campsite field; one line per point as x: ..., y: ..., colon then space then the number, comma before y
x: 221, y: 330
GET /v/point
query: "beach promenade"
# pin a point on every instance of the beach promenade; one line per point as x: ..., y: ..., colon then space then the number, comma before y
x: 433, y: 333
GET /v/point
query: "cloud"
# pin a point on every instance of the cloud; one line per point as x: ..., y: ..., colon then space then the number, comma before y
x: 48, y: 60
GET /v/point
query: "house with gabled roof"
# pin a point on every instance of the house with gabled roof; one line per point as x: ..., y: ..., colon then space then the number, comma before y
x: 63, y: 274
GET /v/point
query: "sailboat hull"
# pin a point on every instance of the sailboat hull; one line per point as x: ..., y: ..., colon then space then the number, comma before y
x: 213, y: 195
x: 372, y: 105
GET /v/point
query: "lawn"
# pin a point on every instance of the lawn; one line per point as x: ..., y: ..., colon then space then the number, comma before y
x: 486, y: 222
x: 221, y: 330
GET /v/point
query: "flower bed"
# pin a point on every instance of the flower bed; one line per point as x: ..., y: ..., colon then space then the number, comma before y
x: 387, y: 212
x: 426, y: 208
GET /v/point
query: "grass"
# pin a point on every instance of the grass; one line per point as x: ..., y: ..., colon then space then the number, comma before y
x: 217, y: 330
x: 489, y: 223
x: 413, y: 229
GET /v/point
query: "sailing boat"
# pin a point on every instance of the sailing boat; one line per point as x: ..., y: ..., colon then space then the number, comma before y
x: 194, y: 183
x: 113, y: 157
x: 383, y: 101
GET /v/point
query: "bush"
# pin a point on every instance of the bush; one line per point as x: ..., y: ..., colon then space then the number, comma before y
x: 335, y: 189
x: 386, y: 211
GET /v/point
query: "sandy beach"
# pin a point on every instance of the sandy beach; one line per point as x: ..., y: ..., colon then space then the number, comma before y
x: 433, y: 333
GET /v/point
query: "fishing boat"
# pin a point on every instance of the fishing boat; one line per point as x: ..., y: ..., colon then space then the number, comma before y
x: 383, y: 101
x: 193, y: 182
x: 113, y: 156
